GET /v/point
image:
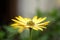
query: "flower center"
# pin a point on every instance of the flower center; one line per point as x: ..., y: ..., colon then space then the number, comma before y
x: 30, y: 23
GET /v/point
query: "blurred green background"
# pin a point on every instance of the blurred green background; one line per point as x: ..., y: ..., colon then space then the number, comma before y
x: 9, y: 11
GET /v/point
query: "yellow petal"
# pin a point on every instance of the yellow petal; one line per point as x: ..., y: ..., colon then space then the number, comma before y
x: 21, y: 18
x: 18, y: 18
x: 27, y: 19
x: 43, y: 24
x: 14, y: 24
x: 15, y: 20
x: 41, y: 19
x: 42, y: 27
x: 18, y: 22
x: 39, y: 28
x: 38, y: 21
x: 15, y: 27
x: 34, y: 28
x: 20, y: 30
x: 34, y: 19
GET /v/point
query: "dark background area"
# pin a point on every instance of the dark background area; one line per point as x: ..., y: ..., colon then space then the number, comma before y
x: 7, y: 11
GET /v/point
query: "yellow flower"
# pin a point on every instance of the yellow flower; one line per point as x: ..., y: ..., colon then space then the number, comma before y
x: 20, y: 23
x: 38, y: 23
x: 27, y: 23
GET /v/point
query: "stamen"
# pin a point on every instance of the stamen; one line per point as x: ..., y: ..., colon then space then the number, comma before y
x: 30, y: 23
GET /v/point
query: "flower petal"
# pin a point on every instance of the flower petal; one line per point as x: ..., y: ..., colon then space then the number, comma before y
x: 42, y: 27
x: 34, y: 28
x: 15, y: 24
x: 41, y: 19
x: 43, y: 24
x: 39, y: 28
x: 18, y: 22
x: 21, y: 19
x: 34, y: 19
x: 27, y: 19
x: 21, y: 29
x: 18, y: 18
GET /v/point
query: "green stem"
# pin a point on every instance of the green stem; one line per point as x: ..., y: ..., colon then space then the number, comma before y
x: 30, y: 38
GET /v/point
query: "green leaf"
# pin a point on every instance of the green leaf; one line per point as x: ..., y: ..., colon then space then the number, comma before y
x: 44, y: 37
x: 11, y: 32
x: 2, y: 34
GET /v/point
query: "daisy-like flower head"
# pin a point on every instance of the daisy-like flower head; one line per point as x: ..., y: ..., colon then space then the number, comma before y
x: 27, y: 23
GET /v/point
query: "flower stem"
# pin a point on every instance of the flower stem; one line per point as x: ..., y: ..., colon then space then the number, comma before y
x: 30, y: 38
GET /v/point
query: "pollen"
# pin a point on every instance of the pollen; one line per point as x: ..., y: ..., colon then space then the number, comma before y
x: 30, y: 23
